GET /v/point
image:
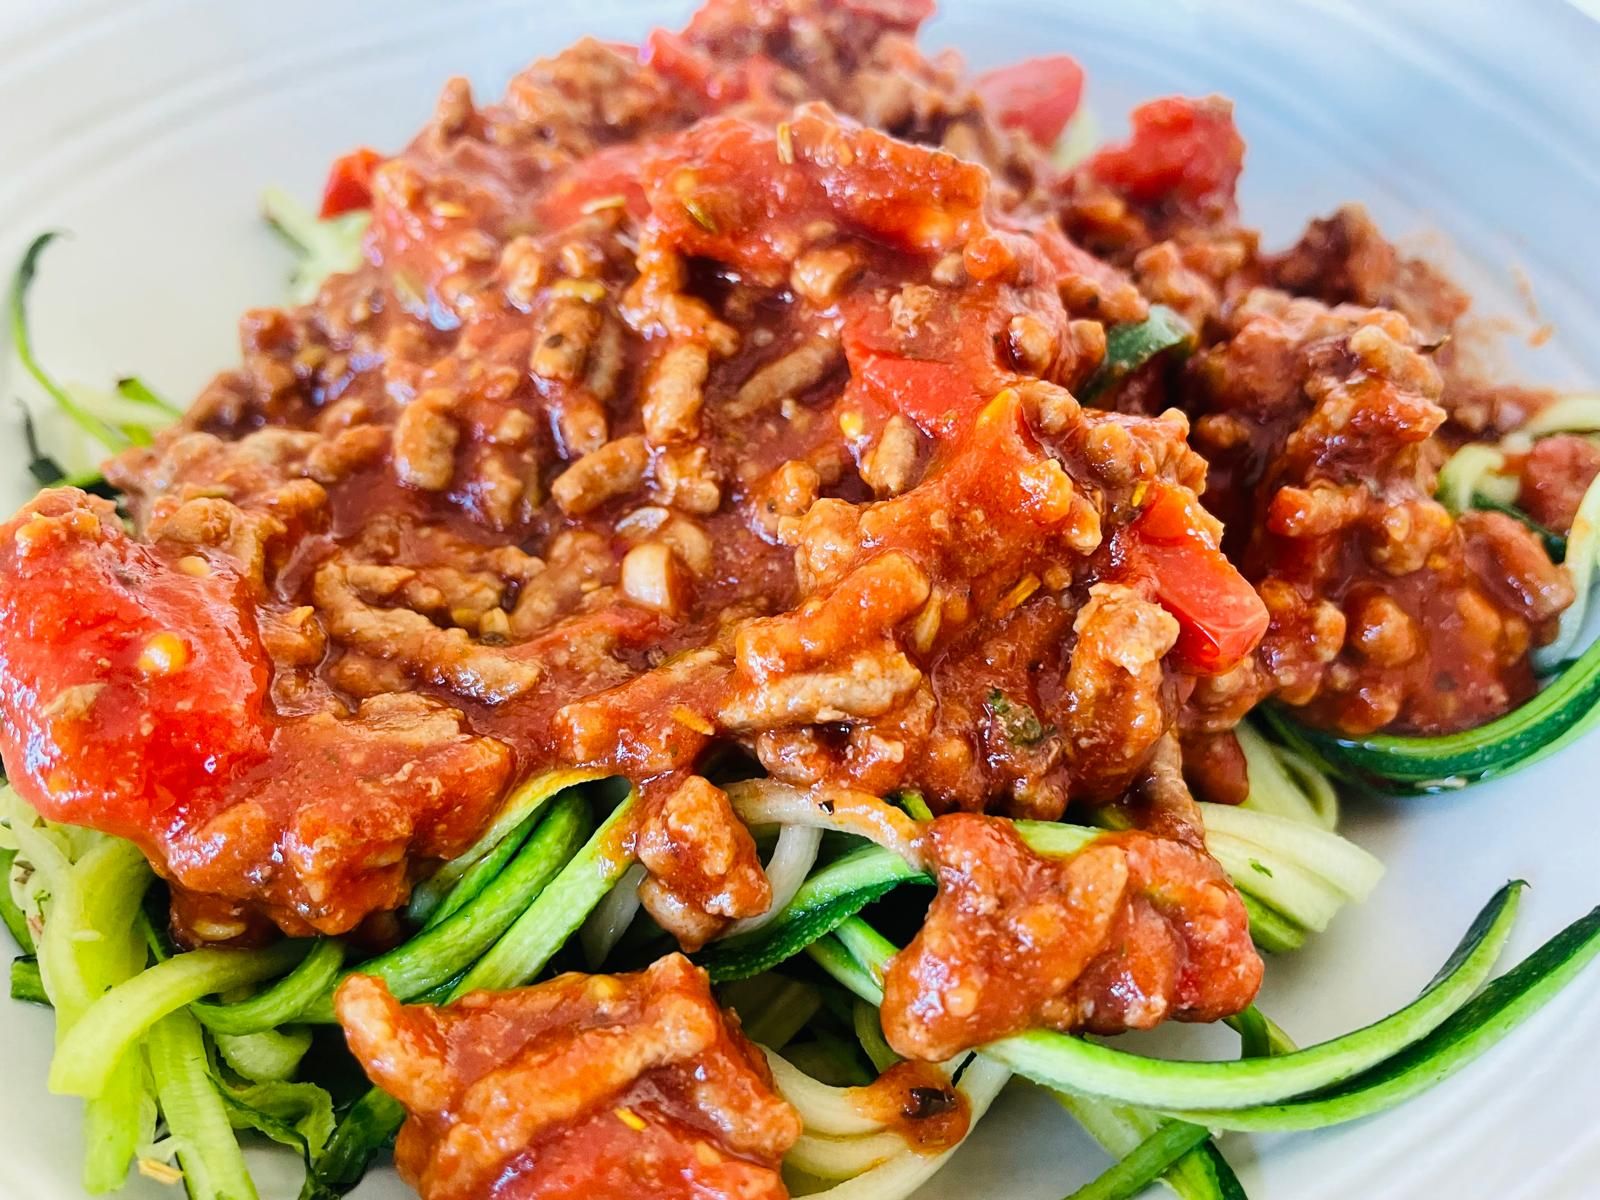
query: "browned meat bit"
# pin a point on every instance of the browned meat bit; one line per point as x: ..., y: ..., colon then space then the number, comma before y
x: 917, y: 1101
x: 1553, y: 477
x: 1344, y: 259
x: 412, y: 782
x: 675, y: 407
x: 1128, y: 932
x: 1386, y: 613
x: 704, y: 872
x: 1513, y: 566
x: 583, y: 1088
x: 1214, y: 768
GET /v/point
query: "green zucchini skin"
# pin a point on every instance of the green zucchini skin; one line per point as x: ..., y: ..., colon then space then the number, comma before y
x: 365, y: 1129
x: 824, y: 902
x: 11, y: 914
x: 1145, y: 1163
x: 283, y: 1001
x: 1062, y: 1062
x: 1424, y: 765
x: 26, y: 983
x: 1131, y: 345
x: 1466, y: 1035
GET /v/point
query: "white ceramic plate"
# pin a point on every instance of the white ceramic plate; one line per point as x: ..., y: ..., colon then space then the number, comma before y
x: 1472, y: 127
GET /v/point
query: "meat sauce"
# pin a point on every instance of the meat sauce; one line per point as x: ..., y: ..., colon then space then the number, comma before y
x: 724, y: 392
x: 599, y: 1087
x: 917, y: 1101
x: 1129, y: 931
x: 661, y: 418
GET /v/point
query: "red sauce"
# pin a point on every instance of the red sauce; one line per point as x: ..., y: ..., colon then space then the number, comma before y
x: 917, y: 1101
x: 1130, y: 931
x: 582, y: 1088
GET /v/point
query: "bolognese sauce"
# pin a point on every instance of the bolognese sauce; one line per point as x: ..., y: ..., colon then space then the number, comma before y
x: 733, y: 391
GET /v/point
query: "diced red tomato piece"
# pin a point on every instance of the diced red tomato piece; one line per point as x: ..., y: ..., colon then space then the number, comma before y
x: 1220, y: 617
x: 938, y: 396
x: 1037, y: 96
x: 134, y: 691
x: 349, y: 185
x: 1180, y: 149
x: 939, y: 379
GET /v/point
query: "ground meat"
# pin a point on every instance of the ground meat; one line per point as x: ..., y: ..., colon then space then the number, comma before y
x: 1344, y: 259
x: 704, y: 872
x: 1386, y: 613
x: 1129, y: 931
x: 728, y: 394
x: 594, y: 1087
x: 137, y: 677
x: 1553, y: 477
x: 1214, y: 768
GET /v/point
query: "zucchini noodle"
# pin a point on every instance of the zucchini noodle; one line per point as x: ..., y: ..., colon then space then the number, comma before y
x: 787, y: 1007
x: 1334, y: 861
x: 1285, y: 782
x: 526, y: 801
x: 1575, y: 413
x: 271, y: 1056
x: 1583, y: 558
x: 908, y: 1170
x: 1069, y: 1063
x: 768, y: 802
x: 1472, y: 471
x: 827, y: 1157
x: 787, y: 869
x: 119, y: 1018
x: 323, y: 247
x: 824, y: 1109
x: 197, y: 1120
x: 604, y: 927
x: 869, y: 1032
x: 1120, y: 1131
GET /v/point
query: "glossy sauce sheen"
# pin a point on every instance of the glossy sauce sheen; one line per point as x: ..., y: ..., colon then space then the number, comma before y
x: 672, y: 410
x: 601, y: 1087
x: 1131, y: 931
x: 722, y: 393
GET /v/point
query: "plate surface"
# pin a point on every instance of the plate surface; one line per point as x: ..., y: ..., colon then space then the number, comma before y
x: 149, y: 127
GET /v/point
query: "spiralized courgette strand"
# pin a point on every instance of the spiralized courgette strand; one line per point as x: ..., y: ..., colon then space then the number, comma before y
x: 1284, y: 785
x: 322, y: 247
x: 868, y: 1160
x: 80, y: 893
x: 1285, y: 782
x: 1358, y: 1074
x: 84, y: 424
x: 1279, y: 848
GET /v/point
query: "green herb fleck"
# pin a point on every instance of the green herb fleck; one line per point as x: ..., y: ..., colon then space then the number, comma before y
x: 1021, y: 724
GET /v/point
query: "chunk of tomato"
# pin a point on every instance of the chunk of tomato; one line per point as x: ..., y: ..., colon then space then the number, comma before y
x: 349, y: 186
x: 1182, y: 149
x: 134, y: 688
x: 1220, y: 617
x: 1037, y: 96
